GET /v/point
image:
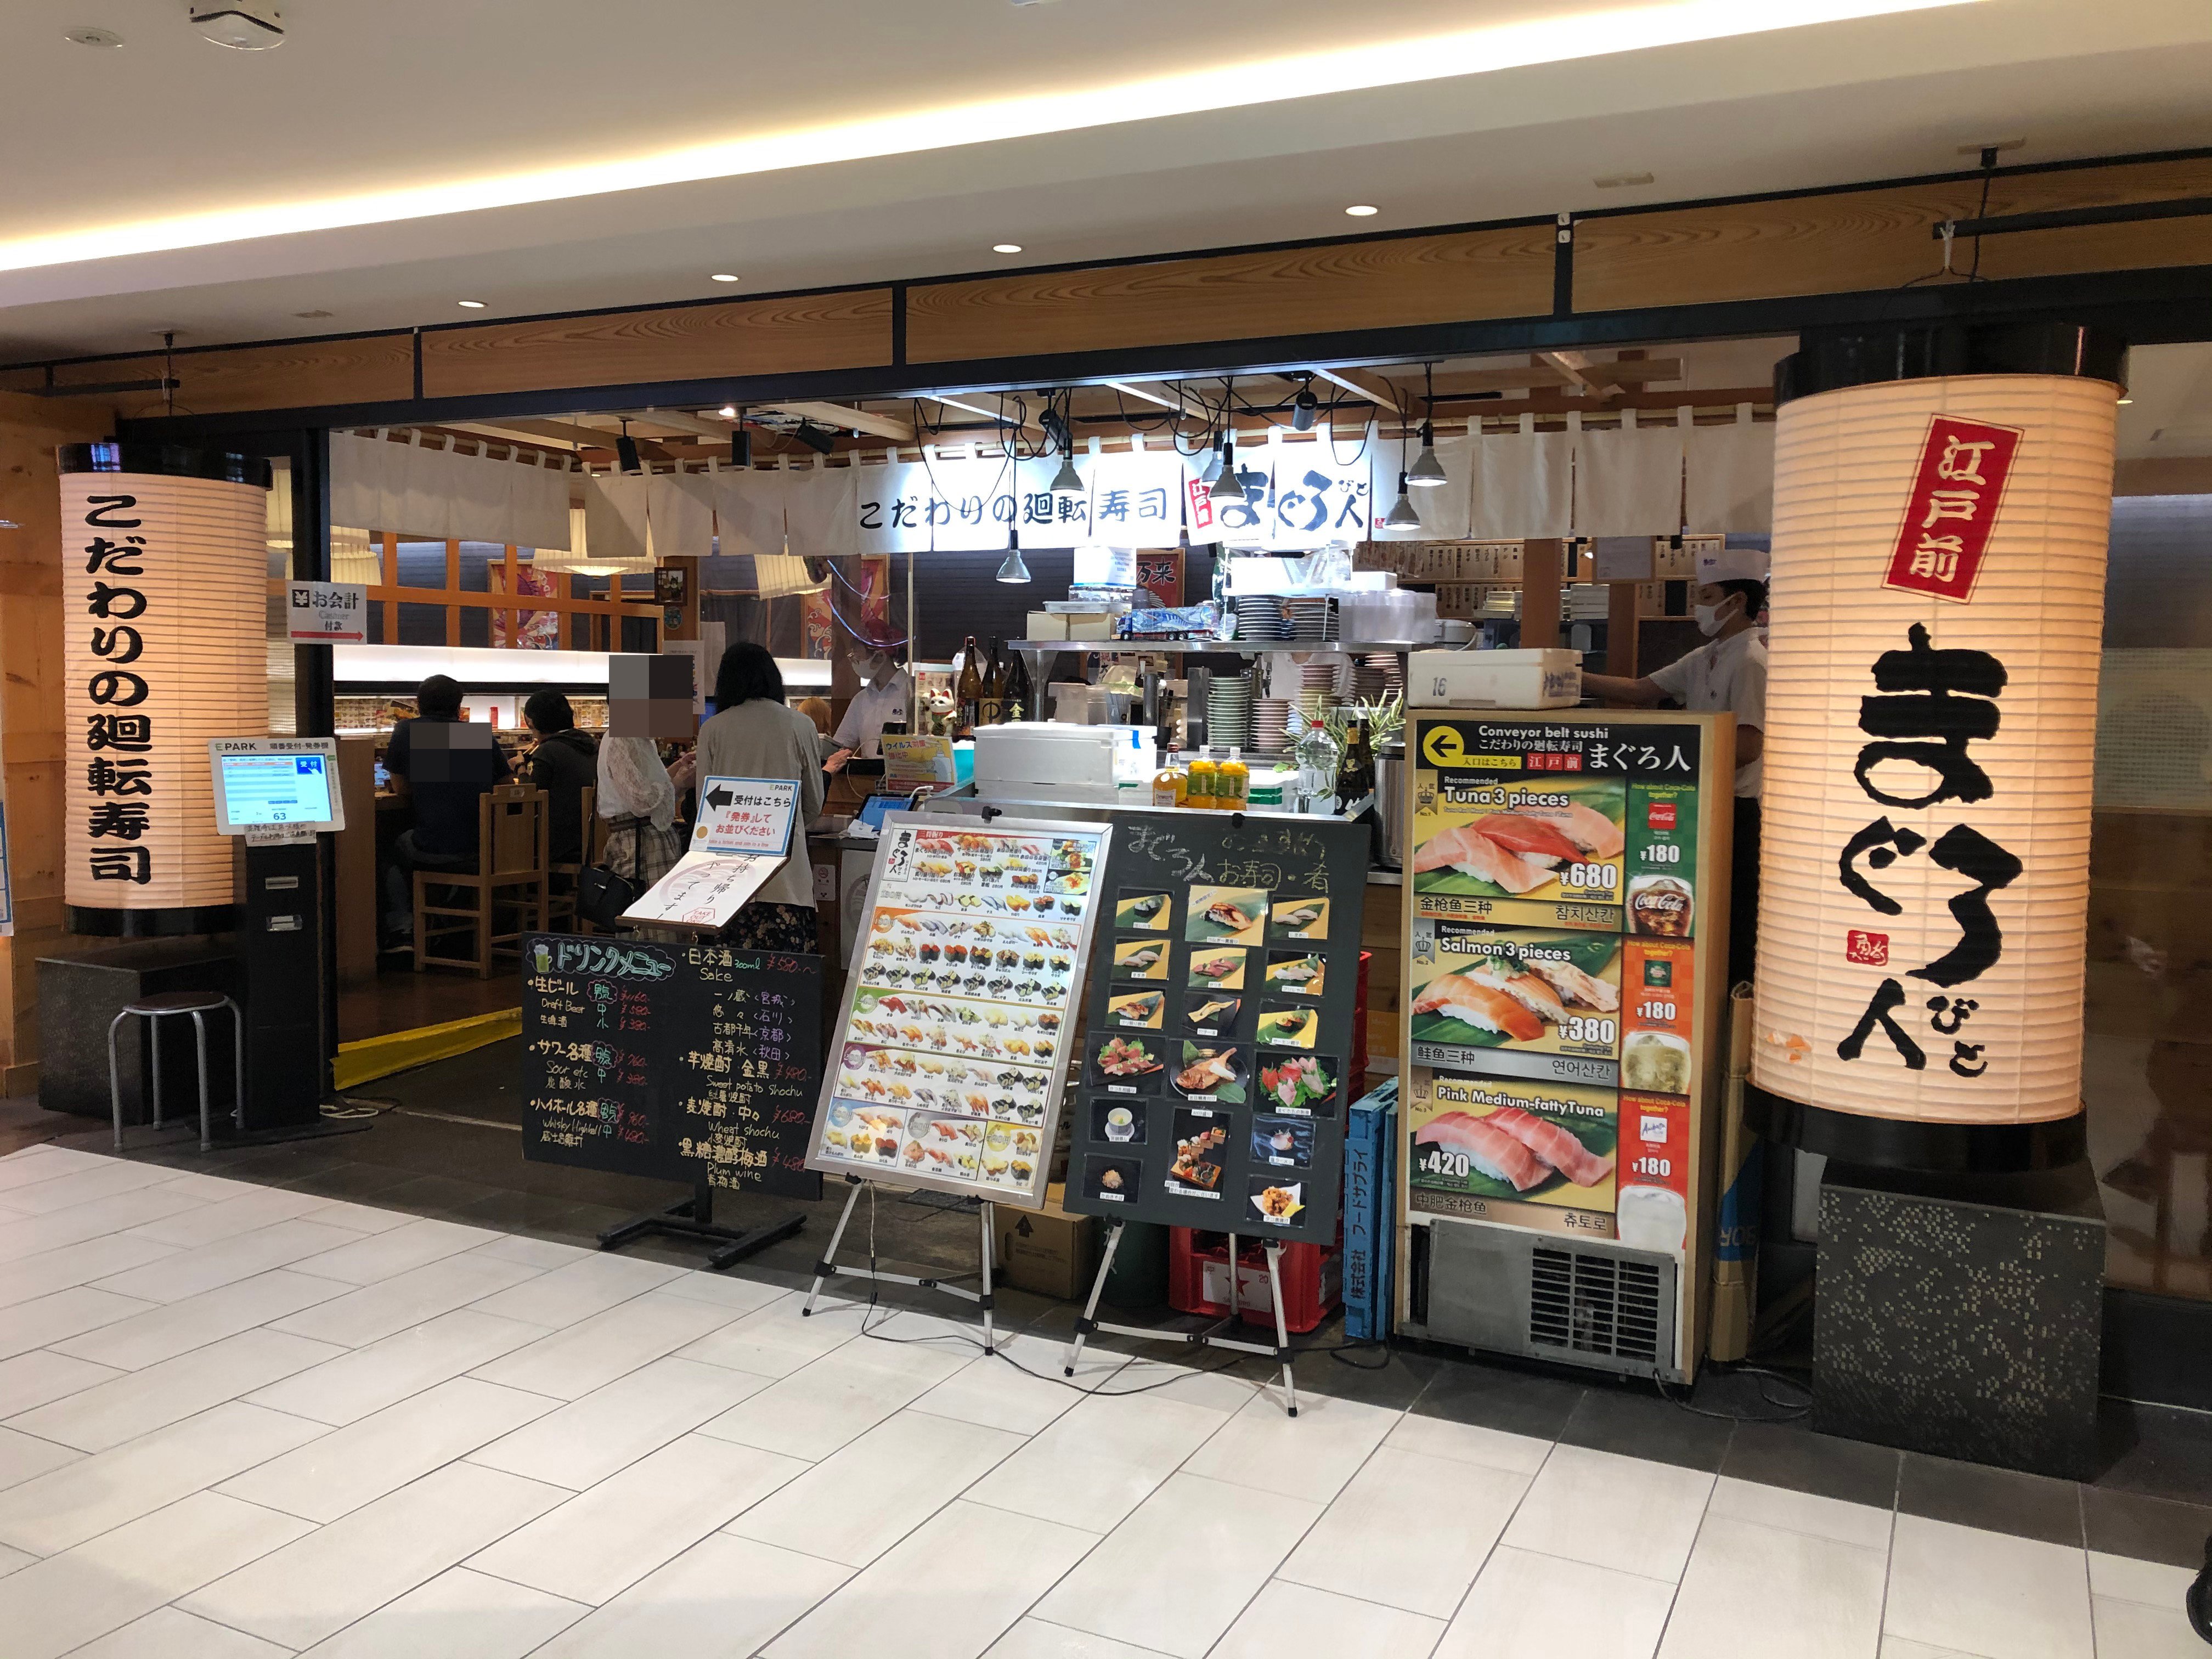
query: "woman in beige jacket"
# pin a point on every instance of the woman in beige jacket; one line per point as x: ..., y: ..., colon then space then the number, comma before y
x: 754, y: 734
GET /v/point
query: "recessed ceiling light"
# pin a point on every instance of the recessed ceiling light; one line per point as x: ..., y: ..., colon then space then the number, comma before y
x: 470, y: 305
x: 2127, y: 400
x: 728, y: 411
x: 722, y: 276
x: 1361, y: 210
x: 1005, y: 247
x: 94, y: 37
x: 1617, y: 180
x: 311, y: 314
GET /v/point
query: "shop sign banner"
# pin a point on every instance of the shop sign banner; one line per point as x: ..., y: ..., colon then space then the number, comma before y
x: 949, y: 504
x: 1931, y: 746
x: 746, y: 814
x: 1953, y: 508
x: 329, y: 613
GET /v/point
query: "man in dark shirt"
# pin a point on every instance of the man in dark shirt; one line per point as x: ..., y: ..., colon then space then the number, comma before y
x: 443, y: 764
x: 565, y: 763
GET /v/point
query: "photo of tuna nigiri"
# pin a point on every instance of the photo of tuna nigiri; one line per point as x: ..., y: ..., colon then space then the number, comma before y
x: 1483, y: 1006
x: 1596, y: 835
x: 1554, y: 1145
x: 1528, y: 835
x: 1487, y: 1147
x: 1471, y: 853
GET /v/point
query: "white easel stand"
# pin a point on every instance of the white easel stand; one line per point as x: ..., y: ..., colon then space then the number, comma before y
x: 1210, y: 1337
x: 827, y: 1269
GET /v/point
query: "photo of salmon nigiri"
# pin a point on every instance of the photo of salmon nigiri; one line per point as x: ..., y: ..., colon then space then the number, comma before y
x: 1458, y: 997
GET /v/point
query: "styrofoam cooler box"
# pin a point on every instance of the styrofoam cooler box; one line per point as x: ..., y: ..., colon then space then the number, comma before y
x: 1050, y: 751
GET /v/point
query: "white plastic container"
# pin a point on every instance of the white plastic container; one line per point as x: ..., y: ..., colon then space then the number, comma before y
x: 1543, y: 678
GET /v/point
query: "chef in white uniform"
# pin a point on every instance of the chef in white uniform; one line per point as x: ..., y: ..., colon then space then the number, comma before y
x: 1730, y: 672
x: 884, y: 695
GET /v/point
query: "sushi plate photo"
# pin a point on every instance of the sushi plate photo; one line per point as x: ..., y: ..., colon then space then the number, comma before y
x: 1298, y: 918
x: 1145, y: 1009
x: 1301, y: 975
x: 1216, y: 970
x: 1212, y: 1016
x: 1547, y: 991
x: 1143, y: 913
x: 1144, y: 958
x: 1127, y: 1064
x: 1289, y: 1028
x: 1212, y: 1071
x: 1561, y: 1146
x: 1226, y: 915
x: 1570, y: 851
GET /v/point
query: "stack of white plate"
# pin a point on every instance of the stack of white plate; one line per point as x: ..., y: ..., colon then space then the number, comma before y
x: 1261, y: 616
x: 1229, y: 710
x: 1317, y: 686
x: 1312, y: 618
x: 1392, y: 666
x: 1271, y: 725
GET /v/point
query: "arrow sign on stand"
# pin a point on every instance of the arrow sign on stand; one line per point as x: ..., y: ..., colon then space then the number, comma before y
x: 746, y: 814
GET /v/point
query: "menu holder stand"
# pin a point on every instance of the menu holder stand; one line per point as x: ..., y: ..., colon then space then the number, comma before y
x: 827, y: 1267
x: 1279, y: 1351
x: 694, y: 1218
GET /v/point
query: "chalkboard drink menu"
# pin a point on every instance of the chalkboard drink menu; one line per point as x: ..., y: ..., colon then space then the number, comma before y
x: 1225, y: 980
x: 681, y: 1062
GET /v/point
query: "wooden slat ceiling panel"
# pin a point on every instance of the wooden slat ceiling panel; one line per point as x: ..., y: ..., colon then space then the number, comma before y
x: 1378, y: 284
x: 756, y: 336
x: 1859, y: 240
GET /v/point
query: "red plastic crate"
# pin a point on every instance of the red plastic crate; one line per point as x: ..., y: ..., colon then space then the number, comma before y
x: 1313, y: 1279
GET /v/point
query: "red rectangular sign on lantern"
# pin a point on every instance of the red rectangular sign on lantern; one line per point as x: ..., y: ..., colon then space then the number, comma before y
x: 1953, y: 508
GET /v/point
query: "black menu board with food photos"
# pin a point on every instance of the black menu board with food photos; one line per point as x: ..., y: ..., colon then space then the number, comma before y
x: 1224, y: 981
x: 681, y: 1062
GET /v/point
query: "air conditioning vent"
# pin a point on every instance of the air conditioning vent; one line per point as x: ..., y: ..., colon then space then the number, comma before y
x: 1597, y: 1304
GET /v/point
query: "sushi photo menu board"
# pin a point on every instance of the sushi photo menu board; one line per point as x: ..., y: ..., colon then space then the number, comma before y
x: 946, y: 1068
x: 1225, y: 981
x: 1566, y: 932
x: 679, y: 1062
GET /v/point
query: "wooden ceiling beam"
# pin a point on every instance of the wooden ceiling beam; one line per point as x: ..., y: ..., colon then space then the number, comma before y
x: 843, y: 418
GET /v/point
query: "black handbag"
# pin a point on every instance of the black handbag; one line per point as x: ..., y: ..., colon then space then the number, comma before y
x: 601, y: 895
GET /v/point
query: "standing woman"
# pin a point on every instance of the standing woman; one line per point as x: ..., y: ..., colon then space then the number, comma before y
x: 637, y: 798
x: 756, y: 735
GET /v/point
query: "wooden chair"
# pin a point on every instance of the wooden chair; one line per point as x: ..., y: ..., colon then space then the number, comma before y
x: 561, y: 906
x: 512, y: 829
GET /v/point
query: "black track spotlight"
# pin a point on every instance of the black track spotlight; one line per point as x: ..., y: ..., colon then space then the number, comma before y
x: 1305, y: 407
x: 626, y: 458
x: 741, y: 447
x: 820, y: 439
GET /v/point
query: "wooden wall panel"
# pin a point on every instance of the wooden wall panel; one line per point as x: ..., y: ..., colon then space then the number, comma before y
x: 298, y: 374
x: 1858, y: 239
x: 1313, y: 290
x: 686, y: 342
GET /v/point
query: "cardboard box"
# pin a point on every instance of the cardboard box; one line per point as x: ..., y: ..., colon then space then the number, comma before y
x: 1047, y: 1251
x: 1047, y: 625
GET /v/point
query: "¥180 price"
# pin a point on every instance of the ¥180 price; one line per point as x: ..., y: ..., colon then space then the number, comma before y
x: 1663, y: 851
x: 1655, y: 1011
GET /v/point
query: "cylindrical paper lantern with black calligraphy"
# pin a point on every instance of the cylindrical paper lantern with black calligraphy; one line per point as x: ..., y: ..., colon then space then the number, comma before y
x: 1937, y: 595
x: 164, y: 608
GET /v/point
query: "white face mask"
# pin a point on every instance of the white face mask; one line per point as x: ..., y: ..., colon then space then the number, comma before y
x: 1709, y: 619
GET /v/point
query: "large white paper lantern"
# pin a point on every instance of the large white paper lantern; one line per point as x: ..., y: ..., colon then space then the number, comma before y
x: 1938, y: 596
x: 165, y: 561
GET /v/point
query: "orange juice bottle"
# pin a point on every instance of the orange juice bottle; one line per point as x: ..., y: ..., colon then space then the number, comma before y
x: 1171, y: 783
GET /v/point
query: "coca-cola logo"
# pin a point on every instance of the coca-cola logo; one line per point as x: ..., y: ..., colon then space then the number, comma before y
x: 1670, y: 902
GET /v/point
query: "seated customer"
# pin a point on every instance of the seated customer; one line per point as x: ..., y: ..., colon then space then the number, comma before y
x: 442, y: 765
x: 564, y: 764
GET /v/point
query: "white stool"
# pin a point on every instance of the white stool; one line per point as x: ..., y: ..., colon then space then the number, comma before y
x: 197, y: 1004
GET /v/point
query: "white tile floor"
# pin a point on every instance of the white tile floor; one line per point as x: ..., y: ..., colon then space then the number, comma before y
x: 238, y: 1422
